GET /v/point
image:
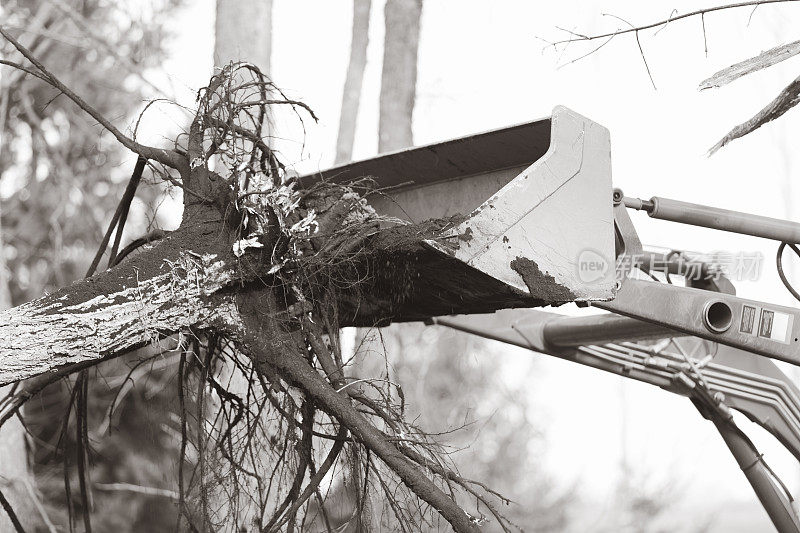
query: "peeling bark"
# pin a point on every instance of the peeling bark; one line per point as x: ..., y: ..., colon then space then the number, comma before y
x: 787, y: 99
x: 189, y: 280
x: 267, y: 302
x: 764, y: 60
x: 163, y: 290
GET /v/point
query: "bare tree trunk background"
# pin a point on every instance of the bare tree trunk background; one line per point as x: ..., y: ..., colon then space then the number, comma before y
x: 347, y: 496
x: 351, y: 96
x: 399, y: 79
x: 243, y: 31
x: 398, y: 89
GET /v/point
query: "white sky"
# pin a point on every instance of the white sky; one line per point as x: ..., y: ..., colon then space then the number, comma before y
x: 482, y: 65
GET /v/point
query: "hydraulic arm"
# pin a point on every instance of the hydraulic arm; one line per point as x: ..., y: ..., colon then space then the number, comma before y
x: 716, y: 377
x: 716, y: 218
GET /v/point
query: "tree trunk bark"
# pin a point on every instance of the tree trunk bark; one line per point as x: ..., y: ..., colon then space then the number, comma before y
x: 243, y: 30
x: 193, y: 279
x: 399, y: 79
x: 161, y: 291
x: 351, y: 96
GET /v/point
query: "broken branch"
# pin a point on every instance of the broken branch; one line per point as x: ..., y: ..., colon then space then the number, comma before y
x: 787, y: 99
x: 166, y: 157
x: 764, y: 60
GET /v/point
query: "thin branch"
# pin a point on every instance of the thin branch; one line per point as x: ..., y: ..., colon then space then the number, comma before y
x: 587, y: 54
x: 24, y: 69
x: 304, y: 448
x: 750, y: 18
x: 86, y: 27
x: 316, y: 479
x: 787, y: 99
x: 646, y: 66
x: 39, y: 507
x: 662, y: 28
x: 167, y: 157
x: 11, y: 514
x: 182, y: 508
x: 82, y: 448
x: 125, y: 204
x: 136, y: 489
x: 705, y: 35
x: 299, y: 371
x: 671, y: 19
x: 118, y: 220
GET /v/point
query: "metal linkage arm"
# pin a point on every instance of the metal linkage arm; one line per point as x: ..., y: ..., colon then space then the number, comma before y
x: 752, y: 385
x: 599, y: 329
x: 716, y: 381
x: 750, y: 325
x: 758, y: 327
x: 768, y: 488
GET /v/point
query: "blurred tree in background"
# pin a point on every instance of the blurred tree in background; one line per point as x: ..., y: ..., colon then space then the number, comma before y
x: 455, y: 386
x: 60, y: 176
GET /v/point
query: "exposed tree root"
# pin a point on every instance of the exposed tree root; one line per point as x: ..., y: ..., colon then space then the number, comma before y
x: 251, y: 290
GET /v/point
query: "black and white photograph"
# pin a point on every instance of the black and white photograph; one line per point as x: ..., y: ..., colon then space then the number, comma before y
x: 365, y: 266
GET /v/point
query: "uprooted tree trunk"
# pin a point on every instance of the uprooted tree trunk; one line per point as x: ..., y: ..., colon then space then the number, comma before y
x: 261, y: 272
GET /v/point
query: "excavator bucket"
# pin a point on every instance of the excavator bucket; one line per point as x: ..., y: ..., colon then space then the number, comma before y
x: 526, y: 213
